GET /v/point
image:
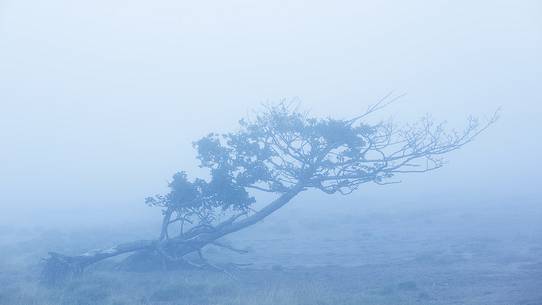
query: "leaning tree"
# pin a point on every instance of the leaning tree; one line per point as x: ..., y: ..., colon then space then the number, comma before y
x: 284, y: 152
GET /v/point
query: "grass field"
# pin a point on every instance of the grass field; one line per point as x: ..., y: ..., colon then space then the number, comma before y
x: 478, y: 257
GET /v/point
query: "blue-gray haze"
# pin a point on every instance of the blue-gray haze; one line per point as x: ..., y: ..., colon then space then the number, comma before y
x: 101, y: 100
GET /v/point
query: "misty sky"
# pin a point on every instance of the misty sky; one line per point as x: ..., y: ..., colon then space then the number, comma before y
x: 100, y: 100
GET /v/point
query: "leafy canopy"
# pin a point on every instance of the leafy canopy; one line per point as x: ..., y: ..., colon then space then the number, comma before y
x: 283, y: 148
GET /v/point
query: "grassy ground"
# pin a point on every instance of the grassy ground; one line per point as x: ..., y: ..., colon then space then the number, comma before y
x: 476, y: 257
x: 414, y: 284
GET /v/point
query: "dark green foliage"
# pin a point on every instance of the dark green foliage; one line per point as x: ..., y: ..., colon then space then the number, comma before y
x: 202, y: 200
x: 282, y: 149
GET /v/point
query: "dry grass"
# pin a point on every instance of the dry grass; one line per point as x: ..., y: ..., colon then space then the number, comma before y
x: 397, y: 285
x: 485, y: 257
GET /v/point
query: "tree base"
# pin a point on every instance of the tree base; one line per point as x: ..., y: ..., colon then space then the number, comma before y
x: 58, y: 268
x: 150, y: 261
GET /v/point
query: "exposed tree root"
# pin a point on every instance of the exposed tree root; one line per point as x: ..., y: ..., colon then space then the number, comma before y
x: 60, y: 267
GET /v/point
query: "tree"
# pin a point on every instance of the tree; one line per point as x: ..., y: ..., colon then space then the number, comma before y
x: 284, y: 152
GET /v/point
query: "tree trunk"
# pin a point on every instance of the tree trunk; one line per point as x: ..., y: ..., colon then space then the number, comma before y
x: 59, y: 267
x: 165, y: 223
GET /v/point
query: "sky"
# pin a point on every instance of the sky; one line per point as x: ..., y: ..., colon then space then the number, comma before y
x: 101, y: 100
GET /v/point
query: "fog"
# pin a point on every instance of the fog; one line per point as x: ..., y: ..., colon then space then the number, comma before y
x: 100, y: 101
